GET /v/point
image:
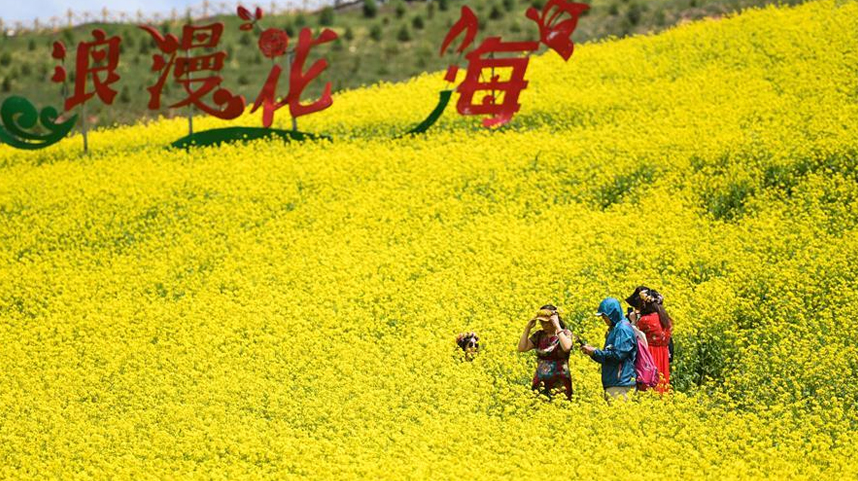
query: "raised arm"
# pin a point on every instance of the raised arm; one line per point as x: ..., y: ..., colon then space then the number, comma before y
x: 524, y: 343
x: 565, y: 337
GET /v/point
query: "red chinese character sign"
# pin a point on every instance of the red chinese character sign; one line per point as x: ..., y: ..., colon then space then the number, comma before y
x: 493, y: 97
x: 494, y: 78
x: 196, y: 73
x: 298, y: 79
x: 95, y: 64
x: 483, y: 91
x: 273, y: 43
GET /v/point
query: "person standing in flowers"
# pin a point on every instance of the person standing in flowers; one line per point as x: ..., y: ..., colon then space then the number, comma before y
x: 553, y: 343
x: 651, y: 318
x: 618, y: 356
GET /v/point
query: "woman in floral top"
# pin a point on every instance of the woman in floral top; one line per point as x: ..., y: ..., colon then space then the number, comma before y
x: 552, y: 342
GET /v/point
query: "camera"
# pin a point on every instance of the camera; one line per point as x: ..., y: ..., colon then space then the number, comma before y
x: 629, y: 312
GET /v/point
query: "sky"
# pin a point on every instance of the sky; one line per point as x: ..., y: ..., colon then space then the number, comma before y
x: 26, y: 11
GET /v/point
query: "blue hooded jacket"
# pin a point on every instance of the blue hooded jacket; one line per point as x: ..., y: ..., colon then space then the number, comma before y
x: 618, y: 356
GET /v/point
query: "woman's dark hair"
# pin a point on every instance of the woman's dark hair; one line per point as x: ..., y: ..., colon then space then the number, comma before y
x: 648, y: 301
x: 663, y: 317
x: 552, y: 307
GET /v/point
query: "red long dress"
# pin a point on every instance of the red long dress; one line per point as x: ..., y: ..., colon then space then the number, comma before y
x: 658, y: 339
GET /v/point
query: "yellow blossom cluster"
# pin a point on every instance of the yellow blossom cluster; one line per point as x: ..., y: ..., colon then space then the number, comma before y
x: 276, y: 311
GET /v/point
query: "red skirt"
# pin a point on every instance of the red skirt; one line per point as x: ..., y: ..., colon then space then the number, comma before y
x: 661, y: 357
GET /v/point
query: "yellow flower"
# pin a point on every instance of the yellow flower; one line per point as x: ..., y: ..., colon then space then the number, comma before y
x: 282, y: 311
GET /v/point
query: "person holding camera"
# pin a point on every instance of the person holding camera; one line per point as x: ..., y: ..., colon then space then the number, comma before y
x: 618, y: 356
x: 651, y: 318
x: 553, y: 343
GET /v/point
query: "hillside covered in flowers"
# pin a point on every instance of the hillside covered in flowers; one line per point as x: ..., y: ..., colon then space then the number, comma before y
x: 273, y: 310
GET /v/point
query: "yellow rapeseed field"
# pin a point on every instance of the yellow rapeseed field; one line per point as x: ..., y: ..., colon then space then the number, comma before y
x: 267, y: 310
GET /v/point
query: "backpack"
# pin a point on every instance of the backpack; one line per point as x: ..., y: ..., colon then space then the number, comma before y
x: 646, y: 371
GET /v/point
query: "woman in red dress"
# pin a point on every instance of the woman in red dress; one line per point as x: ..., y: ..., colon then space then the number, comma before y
x: 658, y: 327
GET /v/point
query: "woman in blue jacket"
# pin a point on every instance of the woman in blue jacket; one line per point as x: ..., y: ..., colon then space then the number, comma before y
x: 618, y: 356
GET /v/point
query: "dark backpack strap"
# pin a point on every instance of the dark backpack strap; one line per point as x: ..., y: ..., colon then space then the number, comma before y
x: 670, y: 350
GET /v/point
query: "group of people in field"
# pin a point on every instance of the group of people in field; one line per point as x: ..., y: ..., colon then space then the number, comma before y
x: 645, y: 325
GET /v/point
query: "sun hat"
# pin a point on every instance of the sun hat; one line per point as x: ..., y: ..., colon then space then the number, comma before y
x: 643, y: 294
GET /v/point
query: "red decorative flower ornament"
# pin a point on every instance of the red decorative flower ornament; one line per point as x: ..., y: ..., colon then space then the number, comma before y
x: 273, y: 42
x: 59, y: 51
x: 243, y: 13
